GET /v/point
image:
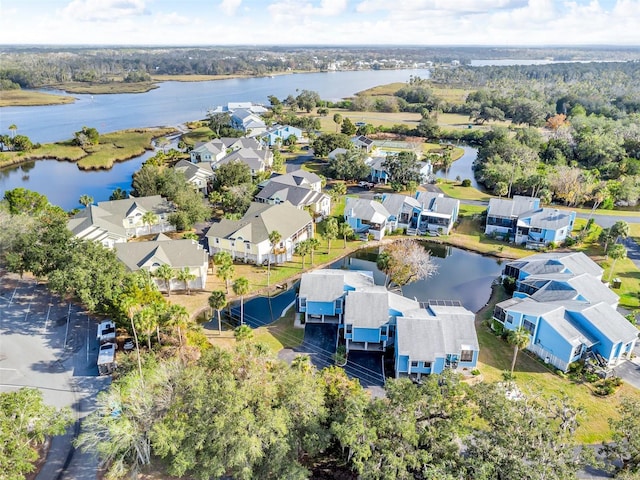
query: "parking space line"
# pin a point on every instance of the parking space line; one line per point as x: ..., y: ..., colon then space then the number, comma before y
x: 12, y: 295
x: 46, y: 320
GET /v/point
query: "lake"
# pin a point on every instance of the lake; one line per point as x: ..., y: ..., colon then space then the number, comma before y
x: 463, y: 167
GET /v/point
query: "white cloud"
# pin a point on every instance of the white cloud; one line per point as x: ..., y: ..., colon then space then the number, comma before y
x: 230, y: 6
x: 289, y: 10
x: 104, y: 10
x: 173, y: 18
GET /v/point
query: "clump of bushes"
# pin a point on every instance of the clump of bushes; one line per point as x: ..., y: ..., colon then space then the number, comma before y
x: 466, y: 182
x: 607, y: 386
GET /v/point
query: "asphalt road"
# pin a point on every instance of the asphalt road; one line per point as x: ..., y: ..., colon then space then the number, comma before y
x: 52, y: 346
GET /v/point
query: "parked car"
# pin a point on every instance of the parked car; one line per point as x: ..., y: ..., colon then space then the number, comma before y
x: 366, y: 185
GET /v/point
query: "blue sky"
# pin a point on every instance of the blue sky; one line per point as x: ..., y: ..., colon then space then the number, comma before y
x: 338, y: 22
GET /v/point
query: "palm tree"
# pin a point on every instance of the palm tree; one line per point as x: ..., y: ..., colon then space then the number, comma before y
x: 149, y: 218
x: 177, y: 316
x: 225, y: 270
x: 274, y: 239
x: 314, y: 244
x: 13, y: 128
x: 620, y: 230
x: 86, y: 200
x: 446, y: 161
x: 131, y: 305
x: 303, y: 249
x: 186, y: 276
x: 147, y: 320
x: 302, y: 363
x: 217, y: 301
x: 616, y: 251
x: 330, y: 231
x: 519, y: 338
x: 243, y: 333
x: 165, y: 273
x: 346, y: 231
x: 241, y: 287
x: 118, y: 194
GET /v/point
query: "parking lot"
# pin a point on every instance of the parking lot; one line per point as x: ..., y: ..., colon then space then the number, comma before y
x: 51, y: 345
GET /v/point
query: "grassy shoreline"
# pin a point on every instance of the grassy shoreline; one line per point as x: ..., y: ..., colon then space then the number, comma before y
x: 114, y: 147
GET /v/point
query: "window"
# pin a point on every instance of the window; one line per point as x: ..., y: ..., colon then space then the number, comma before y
x: 529, y: 327
x: 414, y: 364
x: 383, y: 330
x: 348, y: 328
x: 576, y: 351
x: 217, y: 241
x: 466, y: 356
x: 509, y: 318
x: 247, y: 245
x: 427, y: 364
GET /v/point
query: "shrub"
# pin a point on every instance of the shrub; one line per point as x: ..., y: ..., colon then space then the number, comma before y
x: 475, y: 372
x: 466, y: 182
x: 509, y: 284
x: 497, y: 327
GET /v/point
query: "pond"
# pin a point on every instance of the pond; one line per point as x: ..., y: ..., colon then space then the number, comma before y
x: 461, y: 275
x: 463, y: 167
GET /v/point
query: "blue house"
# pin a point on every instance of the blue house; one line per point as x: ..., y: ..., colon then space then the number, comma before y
x: 366, y: 217
x: 435, y: 338
x: 523, y: 221
x: 367, y: 320
x: 278, y: 134
x: 569, y: 313
x: 322, y: 292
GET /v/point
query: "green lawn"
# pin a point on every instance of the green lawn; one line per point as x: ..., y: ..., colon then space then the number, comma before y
x: 455, y: 190
x: 281, y: 333
x: 534, y: 378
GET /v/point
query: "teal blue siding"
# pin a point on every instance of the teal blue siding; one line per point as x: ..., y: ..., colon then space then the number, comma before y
x: 371, y: 335
x: 321, y: 308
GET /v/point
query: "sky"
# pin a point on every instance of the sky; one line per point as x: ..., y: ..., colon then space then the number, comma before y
x: 321, y: 22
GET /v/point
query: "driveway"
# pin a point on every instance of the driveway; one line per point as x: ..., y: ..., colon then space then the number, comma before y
x: 296, y: 163
x: 367, y: 368
x: 319, y: 343
x: 51, y: 345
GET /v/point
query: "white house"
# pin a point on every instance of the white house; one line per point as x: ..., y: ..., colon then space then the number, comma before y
x: 247, y: 239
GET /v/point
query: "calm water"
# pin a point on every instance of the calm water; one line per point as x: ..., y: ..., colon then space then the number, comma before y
x: 170, y: 104
x: 174, y: 103
x: 464, y: 276
x: 461, y: 275
x: 463, y: 167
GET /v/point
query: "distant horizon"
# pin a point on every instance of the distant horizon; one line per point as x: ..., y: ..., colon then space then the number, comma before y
x: 433, y: 23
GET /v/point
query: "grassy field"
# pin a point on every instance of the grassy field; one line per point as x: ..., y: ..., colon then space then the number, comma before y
x: 455, y: 190
x: 450, y: 95
x: 113, y: 147
x: 30, y: 98
x: 105, y: 88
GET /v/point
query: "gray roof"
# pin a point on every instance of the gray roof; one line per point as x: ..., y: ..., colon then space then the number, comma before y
x: 558, y: 286
x: 259, y: 220
x: 547, y: 218
x: 436, y: 331
x: 256, y: 159
x: 175, y: 253
x: 214, y: 147
x: 191, y: 170
x: 396, y: 203
x: 363, y: 140
x: 241, y: 142
x: 110, y: 215
x: 562, y: 323
x: 504, y: 207
x: 438, y: 203
x: 325, y: 285
x: 369, y: 210
x: 608, y: 321
x: 297, y: 178
x: 298, y: 196
x: 367, y: 308
x: 553, y: 262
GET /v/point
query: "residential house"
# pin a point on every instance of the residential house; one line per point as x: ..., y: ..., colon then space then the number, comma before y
x: 278, y: 134
x: 379, y: 174
x: 197, y: 174
x: 231, y: 107
x: 300, y: 188
x: 210, y: 152
x: 116, y: 221
x: 432, y: 339
x: 239, y: 143
x: 257, y: 160
x: 247, y: 239
x: 178, y: 254
x: 523, y: 221
x: 438, y: 213
x: 427, y: 212
x: 322, y: 293
x: 569, y: 314
x: 502, y: 214
x: 363, y: 143
x: 335, y: 152
x: 248, y: 122
x: 366, y: 217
